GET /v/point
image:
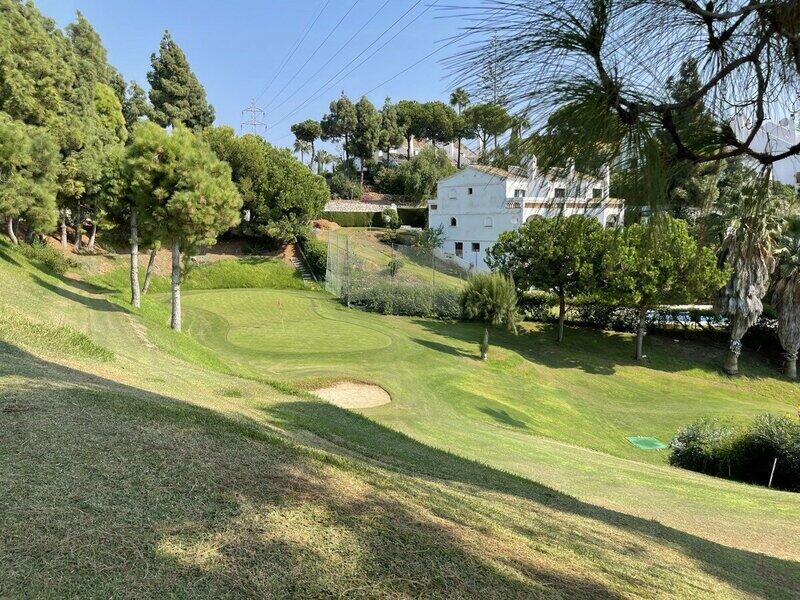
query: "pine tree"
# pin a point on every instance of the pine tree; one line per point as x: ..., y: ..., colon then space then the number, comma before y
x: 367, y: 134
x: 340, y: 123
x: 175, y: 92
x: 136, y: 105
x: 392, y: 134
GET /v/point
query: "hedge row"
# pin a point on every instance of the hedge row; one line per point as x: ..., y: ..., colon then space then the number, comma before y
x: 742, y: 453
x: 411, y: 217
x: 406, y: 298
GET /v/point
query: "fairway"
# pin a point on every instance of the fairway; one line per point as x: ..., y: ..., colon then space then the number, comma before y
x: 558, y: 415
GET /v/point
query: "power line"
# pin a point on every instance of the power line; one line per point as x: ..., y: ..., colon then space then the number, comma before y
x: 325, y: 87
x: 294, y: 49
x: 314, y: 53
x: 336, y: 54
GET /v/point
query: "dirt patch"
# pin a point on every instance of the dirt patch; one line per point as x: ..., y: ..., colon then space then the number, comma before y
x: 326, y: 225
x: 354, y: 395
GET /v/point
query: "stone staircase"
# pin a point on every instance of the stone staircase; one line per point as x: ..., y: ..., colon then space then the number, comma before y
x: 301, y: 268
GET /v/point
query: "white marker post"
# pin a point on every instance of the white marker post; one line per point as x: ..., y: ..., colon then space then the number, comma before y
x: 771, y: 475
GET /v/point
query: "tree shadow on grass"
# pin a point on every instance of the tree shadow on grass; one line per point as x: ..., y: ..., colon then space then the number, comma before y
x: 446, y: 348
x: 742, y: 569
x: 189, y: 502
x: 98, y: 304
x: 503, y: 418
x: 601, y: 352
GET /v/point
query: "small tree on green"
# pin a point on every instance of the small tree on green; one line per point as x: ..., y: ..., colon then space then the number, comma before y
x: 430, y: 240
x: 308, y: 131
x: 185, y: 191
x: 176, y: 93
x: 561, y: 255
x: 492, y: 299
x: 649, y: 265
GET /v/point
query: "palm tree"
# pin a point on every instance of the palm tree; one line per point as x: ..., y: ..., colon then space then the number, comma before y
x: 302, y: 147
x: 747, y: 248
x: 459, y: 99
x: 492, y: 299
x: 324, y: 158
x: 786, y: 295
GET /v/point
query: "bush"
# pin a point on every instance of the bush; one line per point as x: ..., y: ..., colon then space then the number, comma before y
x: 404, y: 298
x: 744, y: 454
x: 316, y: 253
x: 343, y: 187
x: 354, y: 219
x: 47, y: 257
x: 387, y: 180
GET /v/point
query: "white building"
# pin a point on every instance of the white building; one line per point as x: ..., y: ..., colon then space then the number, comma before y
x: 775, y: 138
x: 479, y: 203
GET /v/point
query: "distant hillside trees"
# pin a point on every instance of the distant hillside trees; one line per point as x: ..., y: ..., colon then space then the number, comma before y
x: 280, y: 195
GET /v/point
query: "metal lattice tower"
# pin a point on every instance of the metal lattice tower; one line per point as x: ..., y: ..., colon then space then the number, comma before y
x: 254, y: 119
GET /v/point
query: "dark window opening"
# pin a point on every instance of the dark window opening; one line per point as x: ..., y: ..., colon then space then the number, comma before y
x: 459, y: 249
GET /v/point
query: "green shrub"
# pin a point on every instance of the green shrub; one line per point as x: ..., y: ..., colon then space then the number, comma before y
x: 354, y: 219
x: 395, y: 264
x: 47, y: 257
x: 343, y: 187
x: 387, y: 180
x: 744, y: 454
x: 316, y: 254
x: 406, y: 298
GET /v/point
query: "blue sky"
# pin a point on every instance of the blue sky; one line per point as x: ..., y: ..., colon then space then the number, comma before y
x: 237, y: 47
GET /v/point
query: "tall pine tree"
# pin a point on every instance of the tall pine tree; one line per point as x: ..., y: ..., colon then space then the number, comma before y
x: 175, y: 92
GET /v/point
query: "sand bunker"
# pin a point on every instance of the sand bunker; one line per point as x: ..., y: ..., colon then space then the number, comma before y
x: 354, y: 395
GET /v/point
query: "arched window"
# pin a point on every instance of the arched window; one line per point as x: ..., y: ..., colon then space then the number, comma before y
x: 488, y: 222
x: 453, y: 222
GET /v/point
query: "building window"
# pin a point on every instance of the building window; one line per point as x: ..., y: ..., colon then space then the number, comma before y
x: 597, y: 193
x: 560, y: 192
x: 519, y: 193
x: 469, y: 191
x: 451, y: 193
x: 476, y: 247
x: 453, y: 222
x: 612, y: 221
x: 488, y: 222
x: 460, y: 249
x: 434, y: 206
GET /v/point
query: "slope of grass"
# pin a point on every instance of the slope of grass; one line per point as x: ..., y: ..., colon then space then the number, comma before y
x: 375, y: 256
x: 154, y: 476
x: 227, y: 274
x: 585, y: 396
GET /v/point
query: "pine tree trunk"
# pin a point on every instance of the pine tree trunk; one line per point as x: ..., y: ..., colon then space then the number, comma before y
x: 485, y: 344
x: 361, y: 168
x: 11, y: 234
x: 408, y: 151
x: 92, y: 237
x: 313, y: 155
x: 64, y: 242
x: 176, y: 286
x: 734, y: 349
x: 562, y: 309
x: 791, y: 366
x: 347, y: 151
x: 640, y: 333
x: 458, y: 162
x: 148, y: 276
x: 136, y: 298
x: 79, y: 229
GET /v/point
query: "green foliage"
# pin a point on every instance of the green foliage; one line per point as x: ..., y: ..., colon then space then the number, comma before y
x: 308, y: 131
x: 47, y: 257
x: 395, y: 264
x: 316, y: 254
x: 406, y: 298
x: 136, y: 105
x: 422, y: 173
x: 367, y: 134
x: 392, y: 133
x: 658, y: 263
x: 431, y: 238
x: 343, y: 187
x: 412, y: 119
x: 390, y: 219
x: 561, y: 254
x: 485, y: 121
x: 742, y: 453
x: 28, y: 167
x: 176, y: 94
x: 182, y: 191
x: 492, y: 299
x: 340, y: 123
x: 282, y: 195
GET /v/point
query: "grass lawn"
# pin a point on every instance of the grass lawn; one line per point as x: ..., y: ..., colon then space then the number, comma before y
x: 138, y: 462
x: 558, y: 415
x: 375, y: 256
